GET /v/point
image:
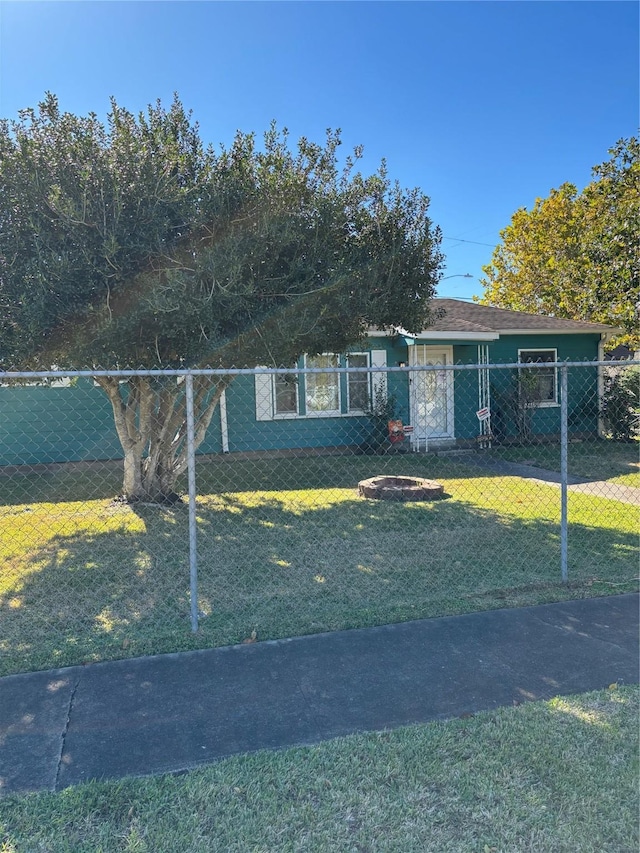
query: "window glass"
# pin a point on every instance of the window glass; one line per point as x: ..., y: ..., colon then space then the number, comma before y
x: 323, y: 389
x: 538, y: 385
x: 358, y: 383
x: 285, y: 393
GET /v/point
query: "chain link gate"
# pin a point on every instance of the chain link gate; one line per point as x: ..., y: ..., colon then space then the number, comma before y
x: 538, y: 465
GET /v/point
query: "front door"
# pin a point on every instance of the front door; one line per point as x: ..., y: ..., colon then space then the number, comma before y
x: 431, y: 394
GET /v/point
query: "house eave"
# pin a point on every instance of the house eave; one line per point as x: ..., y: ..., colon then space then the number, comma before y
x: 493, y: 335
x: 436, y: 336
x: 457, y: 336
x: 597, y: 330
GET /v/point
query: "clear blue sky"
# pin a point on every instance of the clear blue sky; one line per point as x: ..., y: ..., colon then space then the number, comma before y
x: 483, y: 105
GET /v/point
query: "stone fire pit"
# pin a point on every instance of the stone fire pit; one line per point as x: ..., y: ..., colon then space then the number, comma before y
x: 400, y: 489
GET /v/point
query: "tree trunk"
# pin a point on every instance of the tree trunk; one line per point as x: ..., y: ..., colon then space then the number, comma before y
x: 150, y: 419
x: 132, y: 484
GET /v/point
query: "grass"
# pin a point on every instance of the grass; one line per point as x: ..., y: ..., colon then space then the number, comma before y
x: 600, y: 460
x: 285, y: 548
x: 544, y: 777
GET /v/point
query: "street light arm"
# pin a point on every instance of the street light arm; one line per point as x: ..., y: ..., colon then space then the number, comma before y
x: 457, y: 275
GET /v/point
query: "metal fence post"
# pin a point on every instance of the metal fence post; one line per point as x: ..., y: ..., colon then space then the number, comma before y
x: 564, y: 448
x: 193, y: 530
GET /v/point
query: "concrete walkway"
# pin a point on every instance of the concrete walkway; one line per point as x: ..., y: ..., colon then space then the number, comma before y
x: 172, y: 712
x: 597, y: 488
x: 611, y: 491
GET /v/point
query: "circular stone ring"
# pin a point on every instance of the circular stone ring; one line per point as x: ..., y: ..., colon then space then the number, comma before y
x: 400, y: 489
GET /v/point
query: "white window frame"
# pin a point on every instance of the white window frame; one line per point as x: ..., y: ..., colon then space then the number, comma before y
x: 283, y: 416
x: 265, y: 388
x: 367, y: 356
x: 542, y: 404
x: 324, y: 413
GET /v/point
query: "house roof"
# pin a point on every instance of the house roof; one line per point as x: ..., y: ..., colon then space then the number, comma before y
x: 454, y: 315
x: 454, y: 319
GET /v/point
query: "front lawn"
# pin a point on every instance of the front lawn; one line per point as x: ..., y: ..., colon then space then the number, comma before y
x: 546, y: 777
x: 286, y: 547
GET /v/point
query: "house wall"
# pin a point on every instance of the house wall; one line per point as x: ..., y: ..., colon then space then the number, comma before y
x: 582, y: 382
x: 40, y: 424
x: 304, y: 431
x: 466, y: 391
x: 247, y: 434
x: 397, y: 385
x: 60, y: 424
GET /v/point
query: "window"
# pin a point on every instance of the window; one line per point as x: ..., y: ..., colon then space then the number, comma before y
x: 323, y: 389
x: 538, y: 386
x: 285, y: 394
x: 358, y: 384
x: 288, y: 395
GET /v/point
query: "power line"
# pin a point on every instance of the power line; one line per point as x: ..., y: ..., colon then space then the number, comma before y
x: 475, y: 242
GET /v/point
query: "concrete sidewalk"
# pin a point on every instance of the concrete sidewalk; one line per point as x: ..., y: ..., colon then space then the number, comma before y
x: 597, y: 488
x: 172, y: 712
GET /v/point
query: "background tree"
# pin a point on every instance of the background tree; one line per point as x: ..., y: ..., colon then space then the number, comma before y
x: 574, y: 254
x: 131, y: 244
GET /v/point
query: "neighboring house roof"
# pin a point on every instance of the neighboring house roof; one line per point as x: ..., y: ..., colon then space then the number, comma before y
x: 456, y: 319
x: 619, y: 353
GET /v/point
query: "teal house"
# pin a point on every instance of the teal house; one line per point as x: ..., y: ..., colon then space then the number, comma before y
x: 436, y: 407
x: 327, y: 408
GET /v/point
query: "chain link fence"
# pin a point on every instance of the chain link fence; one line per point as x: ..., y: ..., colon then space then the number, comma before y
x: 533, y: 495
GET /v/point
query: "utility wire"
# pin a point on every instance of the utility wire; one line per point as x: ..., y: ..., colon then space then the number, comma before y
x: 475, y: 242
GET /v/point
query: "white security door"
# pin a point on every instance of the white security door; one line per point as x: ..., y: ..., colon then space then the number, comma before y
x: 431, y: 394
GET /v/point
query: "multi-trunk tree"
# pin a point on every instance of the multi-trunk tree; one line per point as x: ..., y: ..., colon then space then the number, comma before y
x: 130, y: 244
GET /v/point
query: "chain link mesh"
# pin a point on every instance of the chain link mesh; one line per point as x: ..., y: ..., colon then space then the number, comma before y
x: 286, y: 544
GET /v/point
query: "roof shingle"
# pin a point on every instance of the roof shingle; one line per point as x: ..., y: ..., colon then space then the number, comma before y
x: 454, y: 315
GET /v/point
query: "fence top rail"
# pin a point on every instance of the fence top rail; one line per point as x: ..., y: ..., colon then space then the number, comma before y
x: 9, y: 375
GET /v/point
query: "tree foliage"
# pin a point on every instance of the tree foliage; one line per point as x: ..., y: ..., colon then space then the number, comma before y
x: 130, y: 243
x: 576, y: 254
x: 620, y: 407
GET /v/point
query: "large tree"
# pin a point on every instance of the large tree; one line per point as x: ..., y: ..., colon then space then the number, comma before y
x: 130, y: 244
x: 576, y: 254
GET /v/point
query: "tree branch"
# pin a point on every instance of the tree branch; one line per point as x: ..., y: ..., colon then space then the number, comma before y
x: 202, y: 424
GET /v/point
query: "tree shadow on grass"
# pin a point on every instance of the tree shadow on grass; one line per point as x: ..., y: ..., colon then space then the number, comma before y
x: 223, y: 473
x: 231, y: 473
x: 281, y: 566
x: 61, y: 483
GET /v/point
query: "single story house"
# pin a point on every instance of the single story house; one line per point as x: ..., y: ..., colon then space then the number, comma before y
x: 438, y: 407
x: 267, y: 412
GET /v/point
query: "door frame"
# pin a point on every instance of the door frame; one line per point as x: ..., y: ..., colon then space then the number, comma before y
x: 446, y: 352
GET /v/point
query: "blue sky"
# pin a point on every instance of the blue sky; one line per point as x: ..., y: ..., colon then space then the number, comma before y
x: 483, y: 105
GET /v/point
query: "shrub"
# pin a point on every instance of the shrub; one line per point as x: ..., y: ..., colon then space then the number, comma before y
x: 620, y: 407
x: 382, y: 409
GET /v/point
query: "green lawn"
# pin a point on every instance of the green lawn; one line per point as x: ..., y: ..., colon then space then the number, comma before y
x: 285, y: 548
x: 546, y: 777
x: 597, y: 459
